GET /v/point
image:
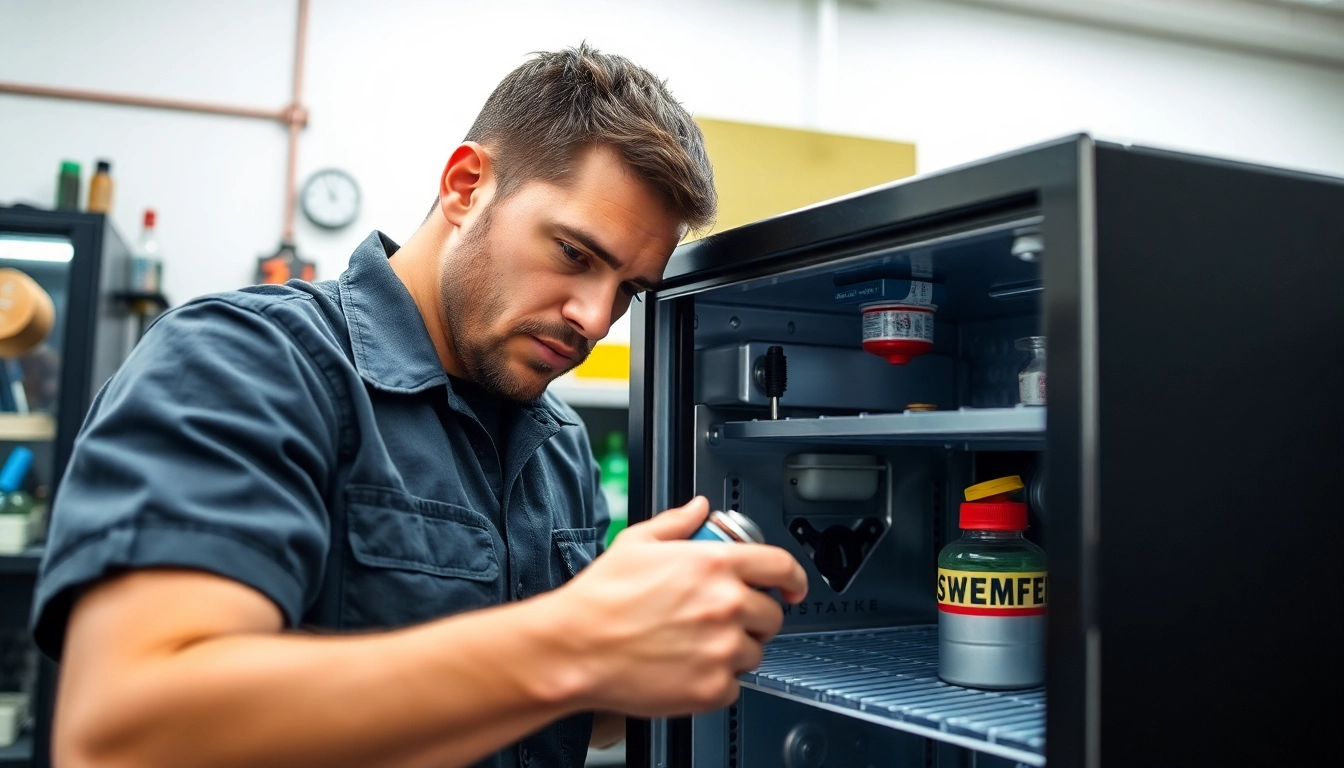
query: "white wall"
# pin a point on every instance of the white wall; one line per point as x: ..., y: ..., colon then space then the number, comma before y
x: 392, y: 86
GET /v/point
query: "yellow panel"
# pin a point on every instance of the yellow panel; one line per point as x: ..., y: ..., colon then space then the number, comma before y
x: 606, y: 361
x: 761, y: 171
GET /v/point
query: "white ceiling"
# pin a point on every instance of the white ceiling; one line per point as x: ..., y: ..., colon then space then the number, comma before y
x: 1304, y: 30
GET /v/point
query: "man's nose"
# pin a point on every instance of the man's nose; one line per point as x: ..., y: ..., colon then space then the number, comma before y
x: 590, y: 313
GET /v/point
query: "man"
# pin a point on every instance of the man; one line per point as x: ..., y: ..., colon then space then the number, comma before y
x: 376, y: 457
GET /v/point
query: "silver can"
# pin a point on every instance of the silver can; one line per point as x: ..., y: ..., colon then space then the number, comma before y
x: 731, y: 526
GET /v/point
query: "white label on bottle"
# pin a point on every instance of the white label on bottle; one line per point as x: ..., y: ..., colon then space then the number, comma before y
x: 897, y: 324
x: 1031, y: 387
x: 920, y: 293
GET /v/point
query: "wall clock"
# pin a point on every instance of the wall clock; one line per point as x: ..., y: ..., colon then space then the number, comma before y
x: 330, y: 198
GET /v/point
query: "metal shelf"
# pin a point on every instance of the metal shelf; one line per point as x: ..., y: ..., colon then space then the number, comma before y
x: 19, y: 427
x: 1018, y: 426
x: 890, y: 677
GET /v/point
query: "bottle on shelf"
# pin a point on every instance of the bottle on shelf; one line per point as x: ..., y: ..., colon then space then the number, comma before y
x: 615, y: 466
x: 147, y: 259
x: 67, y: 187
x: 15, y: 503
x: 100, y: 189
x: 992, y: 593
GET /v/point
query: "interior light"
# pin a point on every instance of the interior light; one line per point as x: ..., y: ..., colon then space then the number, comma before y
x: 36, y: 249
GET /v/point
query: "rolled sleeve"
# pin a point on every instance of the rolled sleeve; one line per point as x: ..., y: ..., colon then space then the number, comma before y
x: 211, y: 449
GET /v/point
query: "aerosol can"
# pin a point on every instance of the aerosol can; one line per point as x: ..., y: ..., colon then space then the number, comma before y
x: 731, y: 526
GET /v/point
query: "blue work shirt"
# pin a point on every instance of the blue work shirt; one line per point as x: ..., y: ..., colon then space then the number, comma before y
x: 305, y: 440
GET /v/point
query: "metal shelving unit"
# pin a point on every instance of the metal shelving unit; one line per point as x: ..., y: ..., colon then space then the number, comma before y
x: 890, y: 677
x: 1019, y: 426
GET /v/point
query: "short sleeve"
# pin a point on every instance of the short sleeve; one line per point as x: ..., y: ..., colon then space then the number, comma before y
x: 211, y: 449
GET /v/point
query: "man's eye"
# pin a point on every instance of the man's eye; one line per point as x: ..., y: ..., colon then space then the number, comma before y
x: 633, y: 292
x: 571, y: 253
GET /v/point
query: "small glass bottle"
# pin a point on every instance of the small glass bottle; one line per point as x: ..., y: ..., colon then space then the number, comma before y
x: 146, y: 259
x: 100, y: 189
x: 992, y: 594
x: 1031, y: 377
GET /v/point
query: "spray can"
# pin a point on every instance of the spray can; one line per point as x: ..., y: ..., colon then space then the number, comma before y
x: 732, y: 527
x: 992, y: 593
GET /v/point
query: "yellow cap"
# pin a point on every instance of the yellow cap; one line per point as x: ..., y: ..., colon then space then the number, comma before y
x: 994, y: 487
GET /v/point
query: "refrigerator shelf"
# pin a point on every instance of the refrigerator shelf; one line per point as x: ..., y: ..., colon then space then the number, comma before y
x: 890, y: 677
x: 1019, y: 426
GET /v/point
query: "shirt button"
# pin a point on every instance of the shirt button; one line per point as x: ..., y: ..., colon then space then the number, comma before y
x: 519, y: 591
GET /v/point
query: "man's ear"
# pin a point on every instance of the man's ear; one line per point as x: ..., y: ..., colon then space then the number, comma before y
x: 466, y: 184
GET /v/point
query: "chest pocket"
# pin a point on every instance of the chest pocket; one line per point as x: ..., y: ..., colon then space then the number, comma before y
x: 576, y: 547
x: 414, y: 559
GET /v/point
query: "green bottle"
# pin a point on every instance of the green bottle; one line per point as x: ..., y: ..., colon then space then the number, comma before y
x: 615, y: 466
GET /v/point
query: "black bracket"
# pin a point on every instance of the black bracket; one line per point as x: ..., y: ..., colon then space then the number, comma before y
x: 839, y: 550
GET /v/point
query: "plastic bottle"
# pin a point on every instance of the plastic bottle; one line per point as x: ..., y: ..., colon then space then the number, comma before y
x: 615, y: 466
x: 992, y: 594
x: 15, y: 504
x: 67, y: 187
x: 100, y: 189
x: 146, y: 260
x: 14, y: 501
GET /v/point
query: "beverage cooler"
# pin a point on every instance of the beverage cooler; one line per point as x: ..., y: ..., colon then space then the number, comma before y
x: 1181, y: 475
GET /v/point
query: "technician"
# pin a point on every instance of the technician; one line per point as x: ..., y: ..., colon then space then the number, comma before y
x: 343, y: 523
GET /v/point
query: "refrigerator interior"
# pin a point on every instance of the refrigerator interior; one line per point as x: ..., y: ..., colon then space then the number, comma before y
x: 853, y: 681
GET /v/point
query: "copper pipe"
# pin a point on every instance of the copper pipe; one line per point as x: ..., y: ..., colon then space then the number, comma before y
x: 297, y: 118
x: 294, y: 115
x: 155, y: 102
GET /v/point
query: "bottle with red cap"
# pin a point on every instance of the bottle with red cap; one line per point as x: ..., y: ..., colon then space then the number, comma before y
x: 146, y: 259
x: 992, y: 594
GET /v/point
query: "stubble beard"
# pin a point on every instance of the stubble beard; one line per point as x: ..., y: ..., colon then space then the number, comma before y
x: 473, y: 297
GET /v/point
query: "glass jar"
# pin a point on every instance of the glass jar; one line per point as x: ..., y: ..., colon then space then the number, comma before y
x: 1031, y: 376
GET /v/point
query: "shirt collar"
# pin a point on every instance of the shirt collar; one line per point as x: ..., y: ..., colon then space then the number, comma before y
x: 391, y: 346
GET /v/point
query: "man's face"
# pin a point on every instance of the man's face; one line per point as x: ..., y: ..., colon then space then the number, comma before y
x: 540, y: 276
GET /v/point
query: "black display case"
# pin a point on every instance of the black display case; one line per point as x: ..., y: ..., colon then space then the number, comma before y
x: 82, y: 263
x: 1180, y: 478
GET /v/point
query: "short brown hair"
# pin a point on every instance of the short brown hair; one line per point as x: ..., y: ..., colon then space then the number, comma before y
x: 544, y: 114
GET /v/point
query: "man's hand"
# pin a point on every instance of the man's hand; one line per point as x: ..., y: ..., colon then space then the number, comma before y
x: 663, y: 626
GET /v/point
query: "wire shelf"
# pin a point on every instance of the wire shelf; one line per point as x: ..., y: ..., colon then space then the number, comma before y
x: 890, y: 676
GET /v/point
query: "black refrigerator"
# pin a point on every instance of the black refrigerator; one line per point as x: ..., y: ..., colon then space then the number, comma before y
x: 1182, y: 477
x: 81, y: 262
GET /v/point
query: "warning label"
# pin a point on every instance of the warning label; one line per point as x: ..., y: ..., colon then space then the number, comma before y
x: 992, y: 593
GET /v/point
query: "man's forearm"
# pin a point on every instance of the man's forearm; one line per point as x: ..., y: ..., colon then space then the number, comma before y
x: 443, y: 694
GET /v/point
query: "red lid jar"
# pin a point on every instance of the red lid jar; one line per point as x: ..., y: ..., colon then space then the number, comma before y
x: 898, y: 332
